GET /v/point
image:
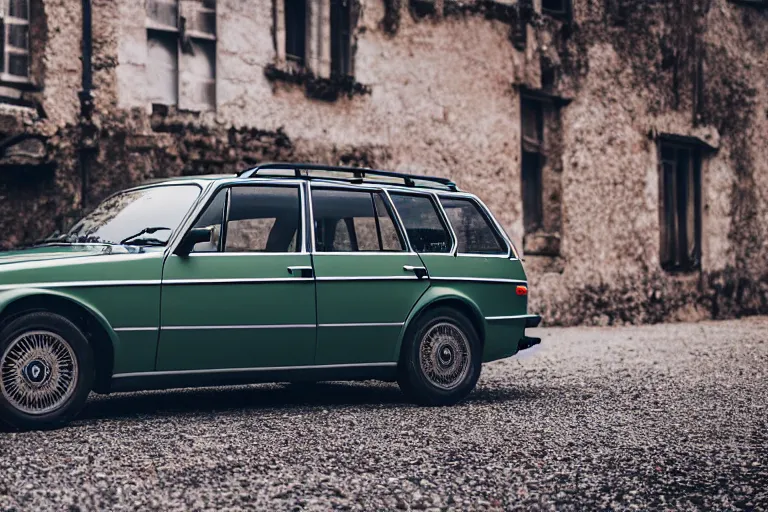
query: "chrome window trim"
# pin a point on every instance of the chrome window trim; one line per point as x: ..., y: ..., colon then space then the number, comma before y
x: 370, y: 188
x: 365, y: 253
x: 82, y: 284
x: 243, y: 253
x: 213, y: 187
x: 255, y: 369
x: 399, y: 222
x: 432, y: 196
x: 494, y: 224
x: 243, y: 280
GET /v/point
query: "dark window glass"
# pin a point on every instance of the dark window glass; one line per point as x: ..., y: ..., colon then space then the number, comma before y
x: 263, y: 219
x: 341, y: 63
x: 532, y: 191
x: 295, y: 30
x: 424, y: 226
x: 680, y: 207
x: 473, y: 230
x: 351, y: 221
x: 555, y: 7
x: 124, y: 215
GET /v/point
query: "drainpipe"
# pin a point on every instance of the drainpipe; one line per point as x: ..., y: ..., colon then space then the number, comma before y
x: 88, y: 143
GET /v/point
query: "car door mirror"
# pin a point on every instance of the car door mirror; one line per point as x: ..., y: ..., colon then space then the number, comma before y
x: 193, y: 237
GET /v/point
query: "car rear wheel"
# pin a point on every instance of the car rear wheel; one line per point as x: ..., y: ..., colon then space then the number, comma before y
x: 46, y: 371
x: 441, y: 358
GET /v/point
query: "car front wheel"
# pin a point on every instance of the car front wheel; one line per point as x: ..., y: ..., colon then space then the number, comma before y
x: 46, y: 371
x: 441, y: 358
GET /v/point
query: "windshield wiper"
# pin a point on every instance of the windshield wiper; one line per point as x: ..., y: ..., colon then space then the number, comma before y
x: 129, y: 240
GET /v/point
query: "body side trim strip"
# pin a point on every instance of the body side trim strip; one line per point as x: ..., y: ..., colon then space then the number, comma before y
x: 237, y: 280
x: 372, y: 324
x: 480, y: 280
x: 134, y: 329
x: 81, y: 284
x: 369, y: 278
x: 216, y: 327
x: 257, y: 369
x: 511, y: 317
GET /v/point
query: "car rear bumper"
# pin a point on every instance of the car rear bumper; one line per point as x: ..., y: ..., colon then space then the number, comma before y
x: 526, y: 342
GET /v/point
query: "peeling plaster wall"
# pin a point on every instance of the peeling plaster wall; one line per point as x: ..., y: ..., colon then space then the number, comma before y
x: 444, y: 100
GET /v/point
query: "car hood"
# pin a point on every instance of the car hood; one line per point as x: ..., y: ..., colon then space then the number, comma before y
x: 55, y: 252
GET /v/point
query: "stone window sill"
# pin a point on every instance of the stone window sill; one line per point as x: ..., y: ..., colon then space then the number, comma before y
x: 541, y: 244
x: 325, y: 89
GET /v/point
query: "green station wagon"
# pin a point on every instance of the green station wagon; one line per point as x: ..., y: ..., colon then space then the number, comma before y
x: 285, y: 272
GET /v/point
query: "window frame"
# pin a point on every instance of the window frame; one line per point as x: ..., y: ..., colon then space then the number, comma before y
x: 211, y: 196
x: 695, y: 168
x: 357, y: 188
x: 441, y: 214
x: 341, y: 65
x: 179, y: 33
x: 493, y: 223
x: 6, y: 76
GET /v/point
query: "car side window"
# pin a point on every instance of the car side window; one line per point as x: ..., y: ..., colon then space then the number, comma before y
x: 352, y: 221
x: 258, y: 219
x: 426, y: 230
x: 263, y: 219
x: 474, y: 232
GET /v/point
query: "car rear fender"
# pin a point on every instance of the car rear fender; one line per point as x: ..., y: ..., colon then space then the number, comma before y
x: 442, y: 295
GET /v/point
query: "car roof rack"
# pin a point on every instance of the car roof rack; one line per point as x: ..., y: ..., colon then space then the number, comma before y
x: 358, y: 174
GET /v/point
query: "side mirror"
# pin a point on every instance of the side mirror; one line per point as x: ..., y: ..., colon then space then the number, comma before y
x: 193, y: 237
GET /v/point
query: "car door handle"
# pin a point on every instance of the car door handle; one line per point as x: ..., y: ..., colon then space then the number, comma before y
x: 301, y: 271
x: 420, y: 272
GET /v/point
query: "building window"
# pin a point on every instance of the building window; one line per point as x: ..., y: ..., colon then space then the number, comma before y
x: 296, y: 31
x: 14, y: 24
x: 181, y: 53
x: 532, y: 129
x: 680, y: 206
x: 341, y: 61
x: 558, y: 8
x: 314, y: 37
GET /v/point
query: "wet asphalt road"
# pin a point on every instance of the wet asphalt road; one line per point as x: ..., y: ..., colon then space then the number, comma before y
x: 659, y: 417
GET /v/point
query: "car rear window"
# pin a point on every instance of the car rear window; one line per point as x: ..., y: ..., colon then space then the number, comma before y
x: 426, y: 230
x: 474, y: 232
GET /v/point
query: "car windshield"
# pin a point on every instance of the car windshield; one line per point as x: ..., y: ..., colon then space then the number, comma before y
x: 146, y: 216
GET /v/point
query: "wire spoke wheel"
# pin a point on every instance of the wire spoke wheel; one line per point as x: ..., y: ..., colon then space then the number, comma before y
x: 38, y: 372
x: 445, y: 355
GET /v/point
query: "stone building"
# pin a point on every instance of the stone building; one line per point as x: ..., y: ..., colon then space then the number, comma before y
x: 622, y: 143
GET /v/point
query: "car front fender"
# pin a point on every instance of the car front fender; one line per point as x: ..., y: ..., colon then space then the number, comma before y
x: 9, y: 297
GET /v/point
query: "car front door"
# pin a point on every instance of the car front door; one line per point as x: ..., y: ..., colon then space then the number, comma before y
x: 247, y: 298
x: 366, y: 277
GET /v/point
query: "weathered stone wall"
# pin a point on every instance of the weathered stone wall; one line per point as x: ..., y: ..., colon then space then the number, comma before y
x: 439, y: 93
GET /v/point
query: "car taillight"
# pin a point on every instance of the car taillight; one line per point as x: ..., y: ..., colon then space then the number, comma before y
x: 522, y: 290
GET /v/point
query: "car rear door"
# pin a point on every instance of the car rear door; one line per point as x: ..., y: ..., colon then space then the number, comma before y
x: 247, y: 299
x: 367, y: 279
x: 480, y: 263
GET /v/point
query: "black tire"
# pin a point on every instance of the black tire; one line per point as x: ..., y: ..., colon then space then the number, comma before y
x: 413, y: 378
x: 54, y: 329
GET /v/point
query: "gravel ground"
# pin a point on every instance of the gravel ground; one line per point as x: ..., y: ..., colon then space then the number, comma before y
x: 660, y: 417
